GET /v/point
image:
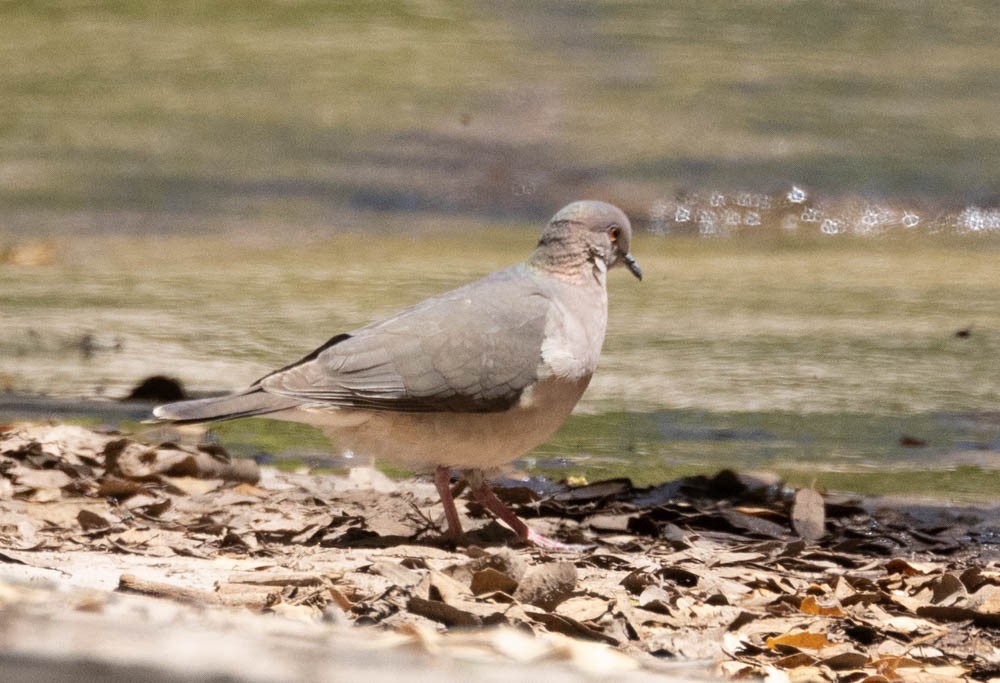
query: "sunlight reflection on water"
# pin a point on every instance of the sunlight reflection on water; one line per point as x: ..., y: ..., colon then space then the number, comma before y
x: 718, y: 214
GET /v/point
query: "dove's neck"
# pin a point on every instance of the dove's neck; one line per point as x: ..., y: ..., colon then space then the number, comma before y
x: 564, y: 253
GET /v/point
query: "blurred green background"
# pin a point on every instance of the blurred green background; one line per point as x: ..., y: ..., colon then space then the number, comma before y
x: 147, y: 116
x: 209, y: 190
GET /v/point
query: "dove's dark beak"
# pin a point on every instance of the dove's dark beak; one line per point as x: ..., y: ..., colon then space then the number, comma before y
x: 633, y: 266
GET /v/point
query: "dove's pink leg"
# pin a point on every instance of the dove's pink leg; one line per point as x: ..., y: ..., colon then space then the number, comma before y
x: 442, y: 480
x: 484, y: 494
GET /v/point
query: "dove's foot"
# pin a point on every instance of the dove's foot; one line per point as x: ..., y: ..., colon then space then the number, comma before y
x: 485, y: 496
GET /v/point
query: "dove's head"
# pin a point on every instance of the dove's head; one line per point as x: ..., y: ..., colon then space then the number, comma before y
x: 592, y: 230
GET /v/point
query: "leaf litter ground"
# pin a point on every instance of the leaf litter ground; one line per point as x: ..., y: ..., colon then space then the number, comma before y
x: 731, y: 576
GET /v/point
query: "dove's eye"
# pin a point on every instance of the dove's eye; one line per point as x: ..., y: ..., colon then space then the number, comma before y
x: 614, y: 232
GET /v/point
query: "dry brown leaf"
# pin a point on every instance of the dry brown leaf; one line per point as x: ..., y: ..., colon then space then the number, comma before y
x: 925, y: 652
x: 137, y: 536
x: 232, y: 496
x: 546, y: 585
x: 795, y: 660
x: 396, y: 573
x: 570, y: 627
x: 636, y: 581
x: 948, y: 590
x: 889, y: 648
x: 742, y: 619
x: 40, y: 479
x: 725, y: 558
x: 975, y: 577
x: 907, y: 602
x: 843, y: 589
x: 940, y: 613
x: 735, y: 670
x: 276, y: 579
x: 986, y: 600
x: 633, y: 620
x: 446, y: 589
x: 939, y: 674
x: 19, y: 531
x: 442, y: 612
x: 247, y: 489
x: 505, y: 560
x: 810, y: 674
x: 846, y: 660
x: 754, y: 525
x: 898, y: 565
x: 91, y: 521
x: 144, y: 500
x: 114, y: 487
x: 192, y: 486
x: 490, y: 580
x: 134, y: 584
x: 45, y: 495
x: 804, y: 639
x: 340, y: 599
x: 810, y: 605
x: 597, y: 490
x: 908, y: 625
x: 655, y: 599
x: 583, y: 608
x: 46, y: 483
x: 887, y: 666
x: 610, y: 523
x: 249, y: 596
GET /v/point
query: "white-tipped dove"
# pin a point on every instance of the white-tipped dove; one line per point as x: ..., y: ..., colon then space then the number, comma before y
x: 470, y: 379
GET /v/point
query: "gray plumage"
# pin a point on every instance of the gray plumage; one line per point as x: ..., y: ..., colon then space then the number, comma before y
x: 474, y: 349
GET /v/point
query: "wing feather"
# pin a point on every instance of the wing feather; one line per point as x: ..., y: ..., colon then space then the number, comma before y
x: 475, y: 349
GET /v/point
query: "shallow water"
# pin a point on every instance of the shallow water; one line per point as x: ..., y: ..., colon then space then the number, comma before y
x: 809, y: 356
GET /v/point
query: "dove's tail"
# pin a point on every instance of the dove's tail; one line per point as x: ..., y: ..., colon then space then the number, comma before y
x: 255, y: 401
